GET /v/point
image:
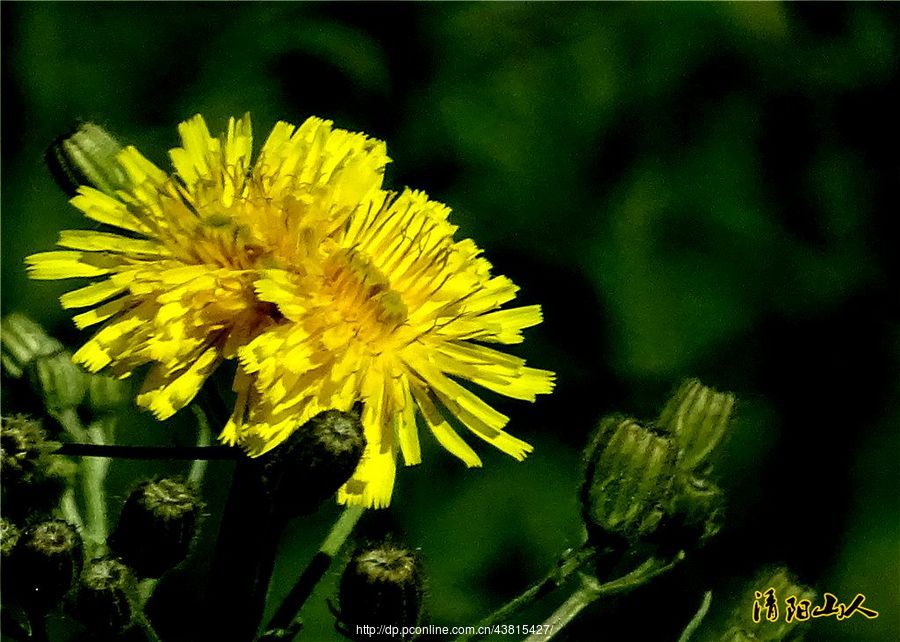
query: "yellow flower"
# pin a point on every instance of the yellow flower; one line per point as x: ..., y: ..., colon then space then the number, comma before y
x: 178, y: 286
x: 328, y: 290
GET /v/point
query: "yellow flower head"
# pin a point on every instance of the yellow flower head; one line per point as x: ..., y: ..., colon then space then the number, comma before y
x: 327, y: 290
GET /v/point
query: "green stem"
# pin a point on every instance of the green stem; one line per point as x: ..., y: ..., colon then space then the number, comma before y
x: 93, y: 475
x: 315, y: 570
x: 69, y: 508
x: 95, y: 470
x: 147, y: 628
x: 572, y: 560
x: 204, y: 435
x: 694, y: 624
x: 591, y: 590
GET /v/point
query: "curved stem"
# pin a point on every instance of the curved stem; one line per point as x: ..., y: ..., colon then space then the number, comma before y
x: 592, y: 590
x: 694, y: 624
x: 204, y: 435
x: 571, y: 561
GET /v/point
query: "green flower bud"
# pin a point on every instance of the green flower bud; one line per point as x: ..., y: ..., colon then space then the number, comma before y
x: 773, y: 607
x: 157, y: 526
x: 693, y: 514
x: 86, y: 156
x: 22, y: 341
x: 62, y: 383
x: 44, y: 564
x: 314, y: 461
x: 628, y: 477
x: 381, y: 585
x: 697, y: 416
x: 107, y: 596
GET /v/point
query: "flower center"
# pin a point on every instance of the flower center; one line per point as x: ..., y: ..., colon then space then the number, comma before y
x: 363, y: 293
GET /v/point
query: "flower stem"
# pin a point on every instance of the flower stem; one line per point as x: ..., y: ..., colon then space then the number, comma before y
x: 592, y: 590
x: 315, y: 570
x: 198, y: 467
x: 570, y: 561
x: 694, y: 624
x: 93, y: 476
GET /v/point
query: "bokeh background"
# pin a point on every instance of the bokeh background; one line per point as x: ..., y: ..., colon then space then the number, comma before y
x: 689, y: 190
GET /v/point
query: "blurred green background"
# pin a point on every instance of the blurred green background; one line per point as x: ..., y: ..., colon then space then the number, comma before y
x: 689, y: 190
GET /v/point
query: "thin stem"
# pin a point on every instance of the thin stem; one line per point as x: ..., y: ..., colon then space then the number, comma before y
x: 571, y: 561
x: 114, y: 451
x: 68, y: 419
x: 315, y: 570
x: 204, y: 435
x: 147, y: 628
x: 93, y: 475
x: 69, y: 508
x: 95, y: 491
x: 592, y: 590
x: 145, y: 590
x: 694, y: 624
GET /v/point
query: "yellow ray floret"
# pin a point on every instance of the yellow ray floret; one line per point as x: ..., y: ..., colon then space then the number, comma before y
x: 327, y: 290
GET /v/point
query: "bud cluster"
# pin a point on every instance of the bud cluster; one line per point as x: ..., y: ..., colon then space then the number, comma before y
x: 643, y: 482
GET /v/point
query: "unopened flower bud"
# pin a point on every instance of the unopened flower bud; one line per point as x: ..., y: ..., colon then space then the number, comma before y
x: 157, y: 526
x: 628, y: 476
x: 106, y: 596
x: 23, y: 445
x: 33, y: 477
x: 86, y: 156
x: 61, y: 382
x: 9, y: 535
x: 44, y: 564
x: 697, y: 416
x: 693, y: 514
x: 381, y: 585
x: 315, y: 461
x: 760, y: 611
x: 22, y: 342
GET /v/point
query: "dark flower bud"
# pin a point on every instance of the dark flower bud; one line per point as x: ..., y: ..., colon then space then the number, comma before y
x: 33, y: 478
x: 157, y: 526
x: 86, y: 156
x: 9, y: 535
x: 23, y: 445
x: 44, y: 564
x: 628, y: 476
x: 315, y: 461
x: 106, y: 597
x: 380, y: 586
x: 697, y: 416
